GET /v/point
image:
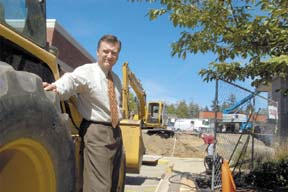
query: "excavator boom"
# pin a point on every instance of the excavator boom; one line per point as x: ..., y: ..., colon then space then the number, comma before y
x: 152, y: 116
x: 130, y: 79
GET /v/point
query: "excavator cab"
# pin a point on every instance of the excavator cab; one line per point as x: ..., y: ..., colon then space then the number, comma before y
x: 155, y: 116
x: 156, y: 120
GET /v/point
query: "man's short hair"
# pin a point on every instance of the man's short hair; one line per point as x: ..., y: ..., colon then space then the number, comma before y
x: 110, y: 39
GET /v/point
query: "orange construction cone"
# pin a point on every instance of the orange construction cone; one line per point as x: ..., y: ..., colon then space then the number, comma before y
x: 228, y: 184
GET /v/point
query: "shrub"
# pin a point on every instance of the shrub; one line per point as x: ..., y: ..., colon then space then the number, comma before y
x: 271, y: 174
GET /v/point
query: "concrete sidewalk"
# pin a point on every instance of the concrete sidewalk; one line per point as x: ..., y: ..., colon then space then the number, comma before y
x: 183, y: 174
x: 165, y: 175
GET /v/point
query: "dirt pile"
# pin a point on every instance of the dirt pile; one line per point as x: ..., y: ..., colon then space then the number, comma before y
x: 181, y: 145
x: 191, y: 145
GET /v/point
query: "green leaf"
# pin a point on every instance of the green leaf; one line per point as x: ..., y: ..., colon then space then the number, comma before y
x: 242, y: 29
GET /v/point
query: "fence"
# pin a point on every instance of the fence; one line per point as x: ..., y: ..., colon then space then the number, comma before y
x: 244, y: 129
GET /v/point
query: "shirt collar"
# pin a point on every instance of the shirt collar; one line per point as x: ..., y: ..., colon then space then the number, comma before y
x: 103, y: 70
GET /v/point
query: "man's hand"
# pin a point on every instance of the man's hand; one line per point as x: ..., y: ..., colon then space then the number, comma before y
x: 49, y: 87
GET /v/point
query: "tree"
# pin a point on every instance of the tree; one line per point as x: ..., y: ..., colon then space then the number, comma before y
x: 232, y: 99
x: 213, y: 106
x: 132, y: 103
x: 193, y: 110
x: 224, y: 105
x: 182, y: 110
x: 171, y: 109
x: 206, y: 108
x: 247, y: 29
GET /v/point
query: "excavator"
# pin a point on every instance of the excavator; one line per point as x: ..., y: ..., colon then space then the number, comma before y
x: 39, y: 137
x: 152, y: 115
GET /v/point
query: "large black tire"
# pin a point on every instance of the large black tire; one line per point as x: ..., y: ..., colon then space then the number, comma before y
x: 36, y: 149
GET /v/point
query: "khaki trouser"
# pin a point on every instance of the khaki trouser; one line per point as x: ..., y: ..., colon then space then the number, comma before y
x: 102, y: 156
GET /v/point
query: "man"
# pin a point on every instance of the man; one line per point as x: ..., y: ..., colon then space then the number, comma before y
x: 209, y: 140
x: 99, y: 104
x: 208, y: 159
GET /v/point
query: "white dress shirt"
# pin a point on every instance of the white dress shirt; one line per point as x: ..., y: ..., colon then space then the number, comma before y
x: 90, y: 85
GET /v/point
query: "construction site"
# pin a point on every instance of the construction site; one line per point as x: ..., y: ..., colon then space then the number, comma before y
x: 231, y: 147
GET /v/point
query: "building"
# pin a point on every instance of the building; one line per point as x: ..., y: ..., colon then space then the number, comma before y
x: 209, y: 115
x: 70, y: 53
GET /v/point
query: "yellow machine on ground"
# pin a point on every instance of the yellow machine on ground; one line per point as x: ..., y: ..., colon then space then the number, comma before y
x: 156, y: 115
x: 153, y: 115
x: 39, y: 141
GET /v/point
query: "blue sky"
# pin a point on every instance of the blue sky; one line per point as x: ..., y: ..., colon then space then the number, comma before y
x: 145, y: 45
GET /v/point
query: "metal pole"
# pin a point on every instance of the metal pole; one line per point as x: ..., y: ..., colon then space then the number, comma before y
x: 215, y: 138
x: 252, y: 133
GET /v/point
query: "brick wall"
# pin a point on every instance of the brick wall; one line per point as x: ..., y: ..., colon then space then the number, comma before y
x: 70, y: 51
x: 209, y: 115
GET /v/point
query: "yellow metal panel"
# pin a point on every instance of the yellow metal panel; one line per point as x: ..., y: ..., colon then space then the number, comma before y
x: 133, y: 144
x: 32, y: 48
x: 125, y: 90
x: 76, y: 116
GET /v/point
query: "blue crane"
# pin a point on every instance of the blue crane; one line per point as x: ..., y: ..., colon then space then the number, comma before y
x: 231, y: 110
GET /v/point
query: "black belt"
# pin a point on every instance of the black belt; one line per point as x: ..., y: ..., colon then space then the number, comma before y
x: 99, y: 122
x: 85, y: 123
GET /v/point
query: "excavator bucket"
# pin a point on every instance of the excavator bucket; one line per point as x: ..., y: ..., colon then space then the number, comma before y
x: 133, y: 144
